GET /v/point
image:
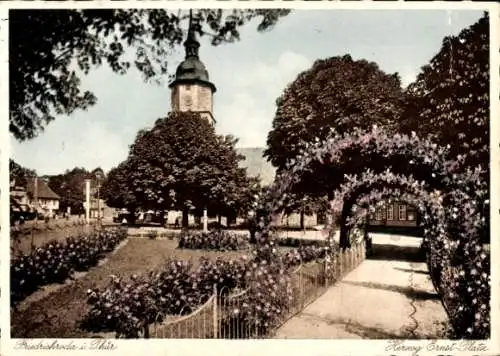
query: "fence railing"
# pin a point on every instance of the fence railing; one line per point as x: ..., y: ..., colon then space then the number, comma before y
x: 200, y: 324
x: 218, y: 316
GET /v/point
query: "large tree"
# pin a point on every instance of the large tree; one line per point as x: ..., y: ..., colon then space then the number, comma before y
x: 339, y: 94
x: 70, y: 187
x: 336, y: 93
x: 449, y: 101
x: 181, y: 164
x: 50, y: 49
x: 116, y: 190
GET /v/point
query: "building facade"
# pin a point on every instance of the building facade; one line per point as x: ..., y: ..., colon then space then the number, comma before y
x: 395, y: 214
x: 41, y: 196
x: 36, y: 195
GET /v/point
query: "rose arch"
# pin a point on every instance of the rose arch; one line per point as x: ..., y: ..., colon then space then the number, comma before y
x: 363, y: 166
x: 328, y: 164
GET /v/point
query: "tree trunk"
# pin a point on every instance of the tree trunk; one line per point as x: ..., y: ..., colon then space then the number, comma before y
x: 219, y: 219
x: 344, y: 229
x: 302, y: 219
x: 367, y: 238
x: 132, y: 216
x: 185, y: 218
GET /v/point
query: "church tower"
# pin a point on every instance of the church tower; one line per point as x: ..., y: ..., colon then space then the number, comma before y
x: 191, y: 89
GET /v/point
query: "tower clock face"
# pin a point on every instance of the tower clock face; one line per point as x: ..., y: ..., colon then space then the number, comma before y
x: 187, y: 100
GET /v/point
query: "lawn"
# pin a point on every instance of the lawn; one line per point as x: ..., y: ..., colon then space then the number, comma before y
x: 56, y: 315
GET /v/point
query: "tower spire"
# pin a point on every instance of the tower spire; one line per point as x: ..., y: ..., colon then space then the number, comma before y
x: 191, y: 44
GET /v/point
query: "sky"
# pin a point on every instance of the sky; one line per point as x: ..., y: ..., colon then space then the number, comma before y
x: 249, y: 76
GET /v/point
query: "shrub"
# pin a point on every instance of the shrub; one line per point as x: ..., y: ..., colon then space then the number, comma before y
x: 304, y: 254
x: 297, y: 242
x: 55, y: 261
x: 125, y: 306
x: 213, y: 240
x: 266, y: 302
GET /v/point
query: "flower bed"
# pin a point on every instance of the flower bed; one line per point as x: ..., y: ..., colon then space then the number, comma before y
x: 304, y: 254
x: 55, y: 261
x: 128, y: 306
x: 298, y: 242
x: 264, y: 305
x: 213, y: 240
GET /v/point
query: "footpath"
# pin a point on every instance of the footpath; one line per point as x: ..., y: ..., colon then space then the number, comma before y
x: 388, y: 296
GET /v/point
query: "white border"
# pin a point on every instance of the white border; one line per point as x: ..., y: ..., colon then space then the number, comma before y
x: 275, y: 347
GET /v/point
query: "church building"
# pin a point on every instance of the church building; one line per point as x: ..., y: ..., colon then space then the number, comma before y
x: 191, y: 91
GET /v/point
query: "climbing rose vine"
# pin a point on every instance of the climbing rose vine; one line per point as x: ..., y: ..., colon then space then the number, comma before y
x: 454, y: 202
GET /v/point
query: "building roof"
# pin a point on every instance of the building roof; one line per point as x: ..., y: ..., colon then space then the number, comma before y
x: 44, y: 192
x: 256, y: 164
x: 192, y: 70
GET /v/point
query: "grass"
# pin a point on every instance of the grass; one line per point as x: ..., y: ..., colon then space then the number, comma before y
x: 56, y: 315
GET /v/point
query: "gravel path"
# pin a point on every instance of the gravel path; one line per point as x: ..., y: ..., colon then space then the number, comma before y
x: 389, y: 296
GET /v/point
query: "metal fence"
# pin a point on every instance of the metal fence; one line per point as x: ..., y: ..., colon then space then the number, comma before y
x: 218, y: 316
x: 200, y: 324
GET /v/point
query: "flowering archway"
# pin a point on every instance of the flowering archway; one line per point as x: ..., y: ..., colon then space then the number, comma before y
x: 365, y: 166
x: 376, y: 151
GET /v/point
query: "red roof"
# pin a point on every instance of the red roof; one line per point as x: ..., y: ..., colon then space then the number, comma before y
x: 44, y: 192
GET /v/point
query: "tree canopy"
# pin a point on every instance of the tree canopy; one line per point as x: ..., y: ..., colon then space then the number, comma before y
x: 449, y: 101
x: 50, y: 49
x: 181, y: 164
x: 115, y: 189
x: 18, y: 173
x: 70, y: 187
x: 336, y: 93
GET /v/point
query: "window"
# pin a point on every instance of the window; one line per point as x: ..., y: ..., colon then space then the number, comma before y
x: 402, y: 212
x: 321, y: 218
x: 379, y: 215
x: 390, y: 212
x: 411, y: 214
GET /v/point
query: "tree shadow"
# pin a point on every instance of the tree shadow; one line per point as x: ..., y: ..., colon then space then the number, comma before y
x: 366, y: 332
x: 390, y: 252
x: 407, y: 291
x: 411, y: 270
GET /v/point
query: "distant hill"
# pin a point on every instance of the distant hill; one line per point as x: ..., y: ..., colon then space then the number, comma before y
x: 256, y: 164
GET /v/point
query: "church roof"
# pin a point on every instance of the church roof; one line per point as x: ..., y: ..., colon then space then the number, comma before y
x: 192, y: 70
